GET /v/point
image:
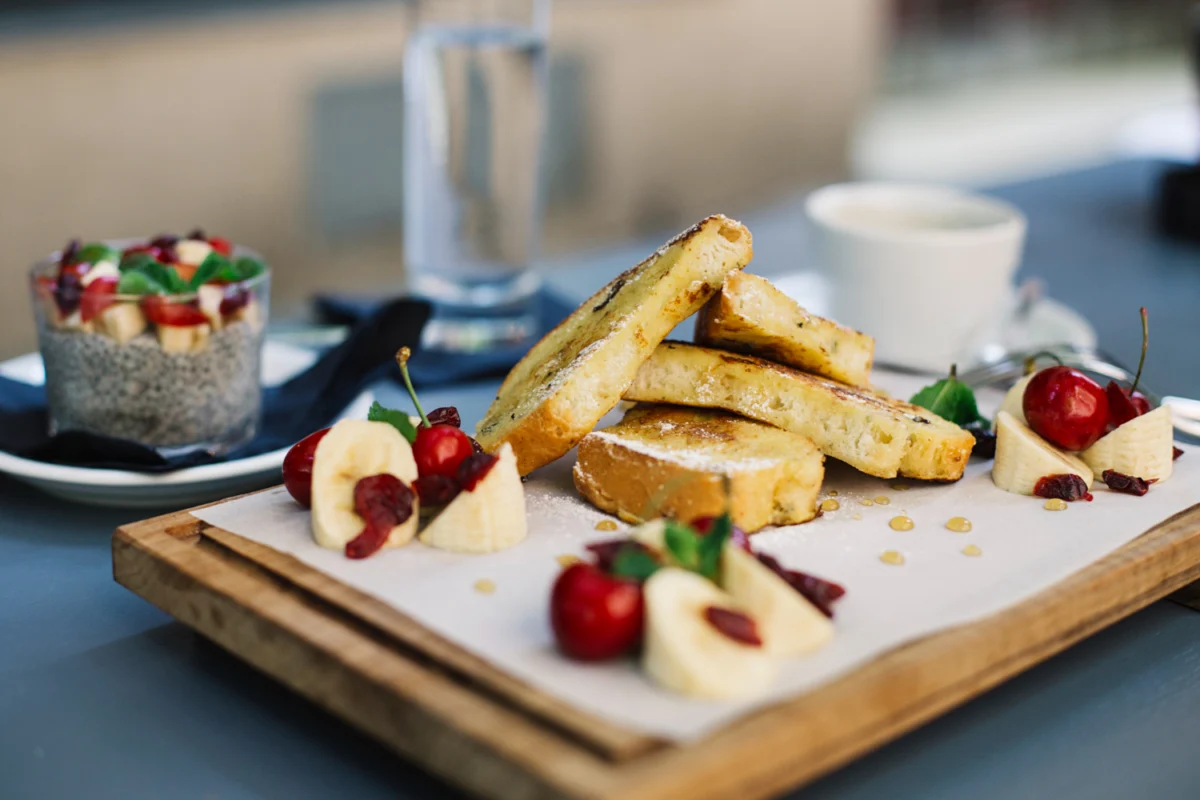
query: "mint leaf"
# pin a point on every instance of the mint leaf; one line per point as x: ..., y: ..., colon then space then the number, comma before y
x: 136, y: 261
x: 712, y: 545
x: 95, y: 252
x: 683, y: 544
x: 138, y: 282
x: 246, y: 268
x: 214, y: 265
x: 950, y: 399
x: 634, y: 563
x: 397, y: 419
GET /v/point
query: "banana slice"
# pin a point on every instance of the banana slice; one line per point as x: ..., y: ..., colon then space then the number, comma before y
x: 209, y: 297
x: 355, y: 449
x: 121, y: 321
x: 192, y: 251
x: 488, y: 518
x: 1014, y: 401
x: 685, y: 653
x: 1023, y: 458
x: 1142, y: 447
x: 789, y: 624
x: 101, y: 269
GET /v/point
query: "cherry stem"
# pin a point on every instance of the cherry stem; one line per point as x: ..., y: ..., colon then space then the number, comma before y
x: 1145, y: 344
x: 1032, y: 360
x: 402, y: 356
x: 954, y: 372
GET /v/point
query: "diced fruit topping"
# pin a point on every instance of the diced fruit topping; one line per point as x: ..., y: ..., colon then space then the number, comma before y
x: 734, y: 624
x: 383, y: 501
x: 96, y: 297
x: 595, y: 616
x: 703, y: 525
x: 1126, y: 484
x: 234, y: 300
x: 1176, y: 452
x: 161, y: 311
x: 985, y: 439
x: 68, y: 292
x: 436, y: 490
x: 298, y: 467
x: 446, y: 415
x: 471, y: 470
x: 1064, y: 487
x: 222, y: 246
x: 69, y: 253
x: 1066, y: 407
x: 818, y: 591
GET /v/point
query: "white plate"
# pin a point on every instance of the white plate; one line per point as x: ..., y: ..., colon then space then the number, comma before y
x: 185, y: 487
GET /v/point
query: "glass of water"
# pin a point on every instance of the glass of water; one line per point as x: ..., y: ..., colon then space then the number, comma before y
x: 475, y: 97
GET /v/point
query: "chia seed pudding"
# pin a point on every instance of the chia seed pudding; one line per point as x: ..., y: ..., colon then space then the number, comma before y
x: 156, y: 341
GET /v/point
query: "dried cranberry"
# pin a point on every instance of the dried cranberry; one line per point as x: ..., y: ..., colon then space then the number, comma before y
x: 1063, y: 487
x: 606, y: 551
x: 475, y: 468
x: 476, y: 447
x: 1176, y: 452
x: 818, y: 591
x: 1127, y: 484
x: 985, y: 440
x: 734, y: 624
x: 436, y: 490
x: 383, y: 501
x: 69, y: 253
x: 702, y: 525
x: 446, y: 415
x: 68, y: 291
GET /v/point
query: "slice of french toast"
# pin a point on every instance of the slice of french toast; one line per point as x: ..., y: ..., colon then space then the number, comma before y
x: 578, y: 371
x: 749, y: 315
x: 685, y: 454
x: 875, y: 434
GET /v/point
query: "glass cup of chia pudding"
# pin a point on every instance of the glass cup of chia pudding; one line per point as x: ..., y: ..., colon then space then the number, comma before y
x: 157, y: 341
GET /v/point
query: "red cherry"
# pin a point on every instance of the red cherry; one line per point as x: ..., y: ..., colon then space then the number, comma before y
x: 222, y: 246
x: 162, y: 311
x: 298, y: 467
x: 438, y: 450
x: 703, y: 525
x: 97, y: 296
x: 1123, y: 406
x: 1066, y: 407
x: 595, y: 616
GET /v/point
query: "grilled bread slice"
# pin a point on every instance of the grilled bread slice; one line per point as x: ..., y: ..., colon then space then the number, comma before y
x: 875, y: 434
x: 578, y: 371
x: 774, y: 476
x: 749, y: 315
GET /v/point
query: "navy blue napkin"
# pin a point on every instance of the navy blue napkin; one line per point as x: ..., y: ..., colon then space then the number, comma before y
x: 291, y: 411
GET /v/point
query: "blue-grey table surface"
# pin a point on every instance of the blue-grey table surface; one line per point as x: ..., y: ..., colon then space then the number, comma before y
x: 104, y: 696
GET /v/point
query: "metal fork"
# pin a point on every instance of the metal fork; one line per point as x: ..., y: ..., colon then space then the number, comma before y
x: 1185, y: 412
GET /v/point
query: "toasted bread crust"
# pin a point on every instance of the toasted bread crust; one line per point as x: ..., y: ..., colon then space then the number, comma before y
x: 875, y: 434
x: 774, y: 475
x: 749, y: 315
x: 572, y: 377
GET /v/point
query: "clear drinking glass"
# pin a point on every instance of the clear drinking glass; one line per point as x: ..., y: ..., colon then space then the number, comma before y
x: 475, y: 96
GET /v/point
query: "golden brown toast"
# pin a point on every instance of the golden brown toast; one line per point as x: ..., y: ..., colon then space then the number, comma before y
x: 875, y: 434
x: 749, y: 315
x: 774, y: 475
x: 578, y: 371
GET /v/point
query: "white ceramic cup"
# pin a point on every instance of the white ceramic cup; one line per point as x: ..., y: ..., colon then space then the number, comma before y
x: 926, y: 270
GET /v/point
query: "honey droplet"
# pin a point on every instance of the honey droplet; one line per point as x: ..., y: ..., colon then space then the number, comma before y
x: 1055, y: 504
x: 972, y: 550
x: 858, y: 515
x: 901, y: 523
x: 830, y: 505
x: 900, y: 487
x: 866, y: 501
x: 484, y: 586
x: 891, y: 557
x: 882, y: 500
x: 567, y: 559
x: 958, y: 524
x: 833, y: 492
x: 606, y: 525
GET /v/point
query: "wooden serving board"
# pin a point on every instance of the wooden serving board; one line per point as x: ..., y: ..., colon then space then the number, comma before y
x: 495, y: 736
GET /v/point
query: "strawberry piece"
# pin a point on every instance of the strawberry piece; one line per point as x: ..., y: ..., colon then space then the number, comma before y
x: 99, y: 295
x: 222, y: 246
x: 161, y: 311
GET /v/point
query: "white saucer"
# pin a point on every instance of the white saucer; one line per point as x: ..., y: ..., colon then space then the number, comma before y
x: 1030, y: 321
x: 179, y: 489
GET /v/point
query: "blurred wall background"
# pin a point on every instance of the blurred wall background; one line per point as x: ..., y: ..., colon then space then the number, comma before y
x: 278, y: 123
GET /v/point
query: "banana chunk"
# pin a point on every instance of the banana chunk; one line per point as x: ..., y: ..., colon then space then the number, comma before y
x: 1023, y: 458
x: 788, y: 623
x: 1014, y: 401
x: 685, y: 653
x: 355, y: 449
x: 1142, y: 447
x: 183, y: 338
x: 488, y: 518
x: 121, y: 321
